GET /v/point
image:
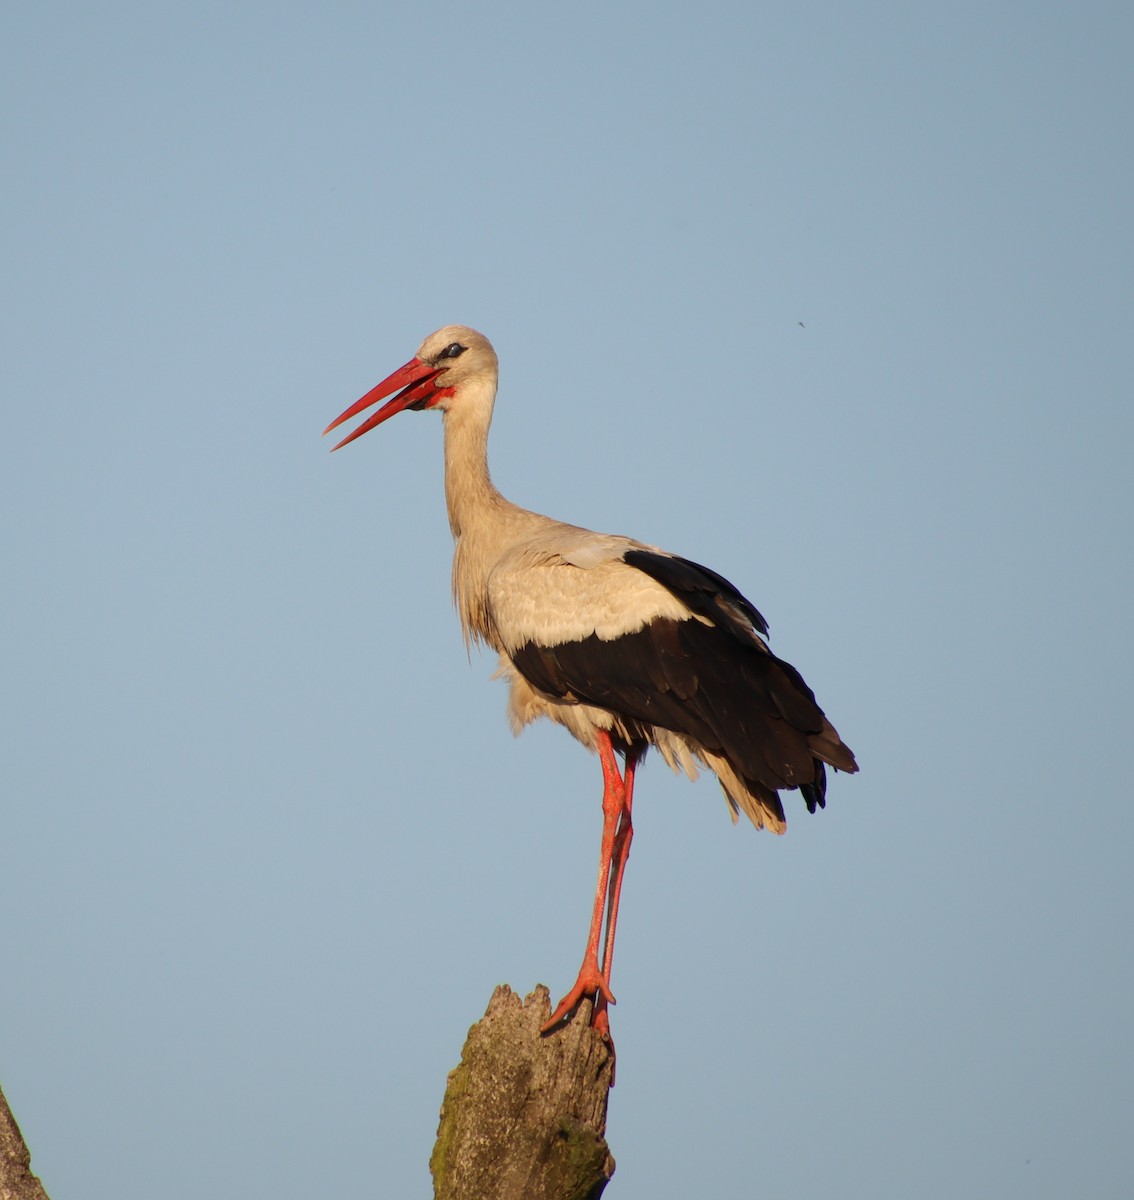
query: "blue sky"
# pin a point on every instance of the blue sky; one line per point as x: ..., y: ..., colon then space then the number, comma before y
x: 835, y: 298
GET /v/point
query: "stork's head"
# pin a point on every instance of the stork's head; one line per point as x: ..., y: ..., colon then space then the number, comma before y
x: 452, y: 363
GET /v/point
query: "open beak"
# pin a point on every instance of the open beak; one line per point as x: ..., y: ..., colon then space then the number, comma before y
x: 416, y: 381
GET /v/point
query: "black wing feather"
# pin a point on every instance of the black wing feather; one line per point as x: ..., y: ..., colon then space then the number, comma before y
x: 729, y: 697
x: 716, y: 683
x: 701, y: 588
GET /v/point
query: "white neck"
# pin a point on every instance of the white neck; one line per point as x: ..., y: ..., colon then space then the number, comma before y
x: 484, y: 524
x: 470, y: 496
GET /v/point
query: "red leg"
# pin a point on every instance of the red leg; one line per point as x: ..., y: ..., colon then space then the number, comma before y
x: 622, y: 840
x: 591, y: 980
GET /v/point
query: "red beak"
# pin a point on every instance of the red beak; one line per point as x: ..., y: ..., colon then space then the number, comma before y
x: 416, y: 381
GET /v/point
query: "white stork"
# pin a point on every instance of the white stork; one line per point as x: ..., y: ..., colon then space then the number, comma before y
x: 623, y: 644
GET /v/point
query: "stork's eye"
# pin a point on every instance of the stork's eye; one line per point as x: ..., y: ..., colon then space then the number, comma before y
x: 452, y: 350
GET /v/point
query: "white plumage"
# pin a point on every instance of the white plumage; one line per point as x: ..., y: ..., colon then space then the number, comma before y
x: 621, y: 643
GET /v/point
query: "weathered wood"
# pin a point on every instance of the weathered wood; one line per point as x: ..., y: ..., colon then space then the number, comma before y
x: 524, y: 1115
x: 16, y: 1180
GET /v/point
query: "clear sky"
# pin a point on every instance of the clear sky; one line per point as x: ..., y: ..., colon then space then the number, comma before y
x: 833, y: 297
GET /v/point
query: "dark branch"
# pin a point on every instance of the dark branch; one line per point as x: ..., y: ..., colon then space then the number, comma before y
x: 16, y: 1180
x: 524, y: 1114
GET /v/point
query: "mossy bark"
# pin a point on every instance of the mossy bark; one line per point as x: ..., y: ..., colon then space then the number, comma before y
x: 524, y: 1114
x: 16, y: 1180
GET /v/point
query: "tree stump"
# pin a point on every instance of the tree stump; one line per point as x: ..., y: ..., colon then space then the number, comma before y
x: 16, y: 1180
x: 524, y: 1114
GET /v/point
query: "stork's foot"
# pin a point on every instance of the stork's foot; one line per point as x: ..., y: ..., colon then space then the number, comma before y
x: 591, y: 982
x: 600, y: 1023
x: 600, y: 1019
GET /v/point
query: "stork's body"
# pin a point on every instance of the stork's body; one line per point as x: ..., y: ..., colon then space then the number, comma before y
x: 623, y: 644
